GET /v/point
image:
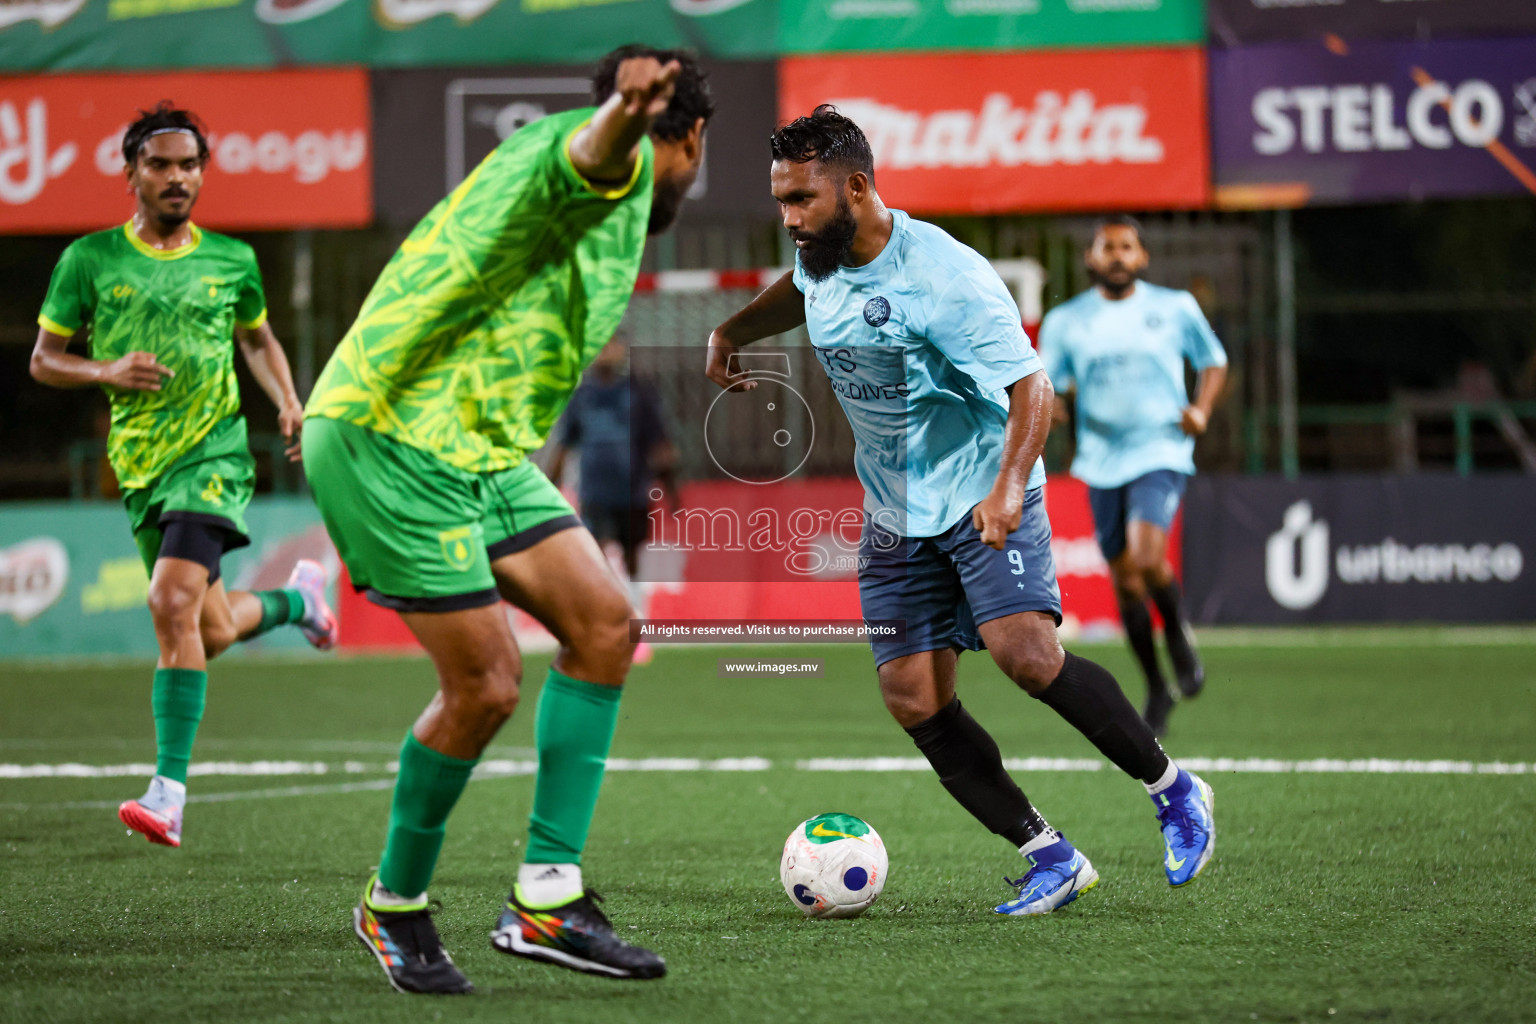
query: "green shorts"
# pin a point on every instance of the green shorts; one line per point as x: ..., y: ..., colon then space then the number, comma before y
x: 417, y: 534
x: 210, y: 484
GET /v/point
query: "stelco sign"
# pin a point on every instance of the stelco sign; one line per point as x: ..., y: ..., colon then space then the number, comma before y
x: 1007, y: 133
x: 1374, y: 121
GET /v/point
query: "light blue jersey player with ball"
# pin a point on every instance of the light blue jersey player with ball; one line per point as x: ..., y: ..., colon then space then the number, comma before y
x: 950, y: 408
x: 1121, y: 346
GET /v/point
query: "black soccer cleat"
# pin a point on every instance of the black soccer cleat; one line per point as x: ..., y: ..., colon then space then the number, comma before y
x: 406, y: 945
x: 576, y: 935
x: 1187, y: 667
x: 1159, y: 704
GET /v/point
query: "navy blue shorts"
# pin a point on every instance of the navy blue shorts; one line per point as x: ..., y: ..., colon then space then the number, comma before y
x: 1152, y: 498
x: 944, y: 587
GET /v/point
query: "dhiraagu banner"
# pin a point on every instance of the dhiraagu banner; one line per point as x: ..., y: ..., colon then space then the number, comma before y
x: 832, y: 26
x: 72, y: 582
x: 171, y: 34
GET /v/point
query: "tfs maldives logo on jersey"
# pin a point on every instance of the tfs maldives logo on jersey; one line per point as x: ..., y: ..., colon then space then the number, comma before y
x: 1045, y: 130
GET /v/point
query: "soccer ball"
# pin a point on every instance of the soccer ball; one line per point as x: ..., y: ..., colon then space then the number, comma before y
x: 834, y: 865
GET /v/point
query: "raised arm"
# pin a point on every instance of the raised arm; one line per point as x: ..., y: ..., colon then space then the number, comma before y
x: 53, y: 365
x: 779, y: 308
x: 1029, y: 421
x: 606, y: 149
x: 269, y: 365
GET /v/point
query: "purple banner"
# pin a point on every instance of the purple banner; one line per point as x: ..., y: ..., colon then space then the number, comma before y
x: 1235, y: 22
x: 1378, y: 121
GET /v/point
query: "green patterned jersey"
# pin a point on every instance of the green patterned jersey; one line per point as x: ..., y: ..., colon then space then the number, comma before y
x: 477, y: 331
x: 182, y: 305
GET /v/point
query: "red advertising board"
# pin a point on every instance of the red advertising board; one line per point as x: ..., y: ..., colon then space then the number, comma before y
x: 1007, y: 133
x: 289, y: 148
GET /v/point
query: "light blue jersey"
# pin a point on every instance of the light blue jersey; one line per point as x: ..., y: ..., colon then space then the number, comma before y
x: 919, y: 344
x: 1126, y: 360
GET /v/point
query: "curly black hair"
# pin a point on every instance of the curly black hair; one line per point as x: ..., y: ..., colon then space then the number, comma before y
x: 165, y: 117
x: 691, y: 99
x: 1119, y: 220
x: 827, y: 136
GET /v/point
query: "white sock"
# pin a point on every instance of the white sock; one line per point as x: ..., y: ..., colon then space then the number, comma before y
x: 383, y: 899
x: 1040, y: 842
x: 548, y: 885
x: 164, y: 793
x: 1169, y: 777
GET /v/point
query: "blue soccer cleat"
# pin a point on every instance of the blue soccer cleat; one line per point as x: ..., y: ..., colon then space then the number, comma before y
x: 1186, y: 811
x: 1057, y: 875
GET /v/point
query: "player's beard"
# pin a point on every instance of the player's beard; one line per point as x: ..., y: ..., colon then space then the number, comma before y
x: 175, y: 218
x: 828, y: 249
x: 666, y: 200
x: 1119, y: 287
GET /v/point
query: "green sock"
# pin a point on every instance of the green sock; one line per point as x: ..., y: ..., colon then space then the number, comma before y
x: 278, y: 607
x: 426, y: 789
x: 573, y: 731
x: 177, y: 700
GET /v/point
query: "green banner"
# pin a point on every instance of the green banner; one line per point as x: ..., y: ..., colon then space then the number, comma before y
x: 61, y: 35
x: 72, y: 582
x: 829, y: 26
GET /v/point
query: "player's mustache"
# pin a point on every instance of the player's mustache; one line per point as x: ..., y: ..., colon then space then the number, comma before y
x: 174, y: 192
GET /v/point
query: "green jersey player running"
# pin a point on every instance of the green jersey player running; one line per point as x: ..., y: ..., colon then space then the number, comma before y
x: 158, y: 298
x: 461, y: 360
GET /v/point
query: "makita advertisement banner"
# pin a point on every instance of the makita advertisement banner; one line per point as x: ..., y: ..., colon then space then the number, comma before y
x: 93, y: 34
x: 840, y: 26
x: 1361, y: 549
x: 448, y: 120
x: 1260, y: 21
x: 288, y: 149
x: 1009, y: 133
x: 1376, y: 121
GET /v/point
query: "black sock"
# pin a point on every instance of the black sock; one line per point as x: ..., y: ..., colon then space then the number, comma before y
x: 971, y: 767
x: 1087, y: 696
x: 1170, y: 605
x: 1138, y: 631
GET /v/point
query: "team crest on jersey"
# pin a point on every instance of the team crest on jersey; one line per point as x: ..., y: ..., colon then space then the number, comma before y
x: 1154, y: 321
x: 877, y: 311
x: 456, y: 548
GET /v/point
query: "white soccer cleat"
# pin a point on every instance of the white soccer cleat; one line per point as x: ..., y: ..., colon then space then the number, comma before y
x: 319, y: 624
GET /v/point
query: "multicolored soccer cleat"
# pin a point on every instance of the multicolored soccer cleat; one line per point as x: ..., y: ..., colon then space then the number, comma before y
x: 160, y: 825
x: 319, y: 623
x: 1186, y: 812
x: 1057, y: 875
x: 406, y: 944
x: 576, y: 935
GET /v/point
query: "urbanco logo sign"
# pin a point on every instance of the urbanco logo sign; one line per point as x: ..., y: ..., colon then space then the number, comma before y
x: 1296, y: 559
x: 1300, y: 562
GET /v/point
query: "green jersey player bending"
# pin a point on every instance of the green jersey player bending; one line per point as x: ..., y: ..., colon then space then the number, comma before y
x: 156, y: 300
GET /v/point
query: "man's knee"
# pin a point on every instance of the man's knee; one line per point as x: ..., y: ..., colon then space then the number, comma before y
x: 218, y: 638
x: 487, y: 689
x: 603, y: 636
x: 1031, y: 668
x: 174, y: 606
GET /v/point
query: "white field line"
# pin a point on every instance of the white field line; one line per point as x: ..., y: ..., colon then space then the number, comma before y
x: 506, y: 767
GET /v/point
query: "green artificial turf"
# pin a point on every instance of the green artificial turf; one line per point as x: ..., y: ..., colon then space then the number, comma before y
x: 1332, y: 897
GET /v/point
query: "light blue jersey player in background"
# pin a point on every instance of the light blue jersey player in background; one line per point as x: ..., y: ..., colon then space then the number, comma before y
x: 950, y: 409
x: 1122, y: 346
